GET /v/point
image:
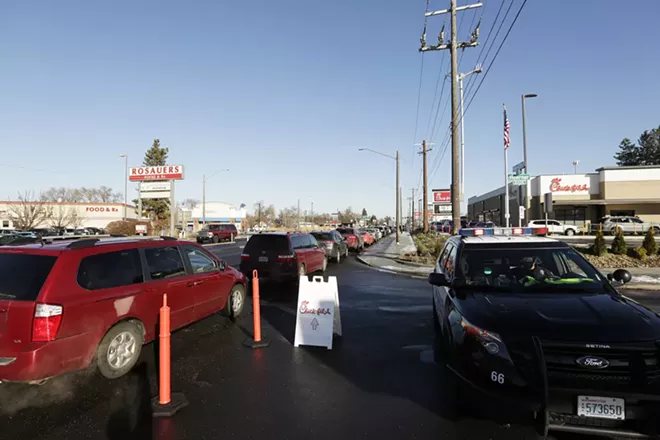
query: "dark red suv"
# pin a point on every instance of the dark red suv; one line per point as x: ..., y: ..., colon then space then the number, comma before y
x: 70, y: 303
x: 283, y: 257
x: 217, y: 233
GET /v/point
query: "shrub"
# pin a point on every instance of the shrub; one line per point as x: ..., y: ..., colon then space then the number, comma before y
x: 121, y: 227
x: 599, y: 247
x: 429, y: 244
x: 649, y: 244
x: 640, y: 253
x: 619, y: 244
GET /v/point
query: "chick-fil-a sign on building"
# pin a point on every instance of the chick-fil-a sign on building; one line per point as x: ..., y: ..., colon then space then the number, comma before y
x: 164, y: 172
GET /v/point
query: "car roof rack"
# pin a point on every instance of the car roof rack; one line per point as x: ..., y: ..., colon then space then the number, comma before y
x: 83, y: 242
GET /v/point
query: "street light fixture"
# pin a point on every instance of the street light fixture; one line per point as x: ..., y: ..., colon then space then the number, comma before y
x: 524, y: 125
x: 125, y: 156
x: 204, y: 179
x: 396, y: 189
x: 575, y: 165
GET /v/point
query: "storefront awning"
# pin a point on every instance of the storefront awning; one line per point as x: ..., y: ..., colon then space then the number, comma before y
x: 607, y: 202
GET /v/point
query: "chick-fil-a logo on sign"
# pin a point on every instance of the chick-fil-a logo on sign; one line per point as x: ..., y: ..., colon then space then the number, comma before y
x: 556, y: 186
x: 304, y: 310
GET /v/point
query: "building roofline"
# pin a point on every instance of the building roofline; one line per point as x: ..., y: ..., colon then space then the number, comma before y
x: 629, y: 167
x: 16, y: 202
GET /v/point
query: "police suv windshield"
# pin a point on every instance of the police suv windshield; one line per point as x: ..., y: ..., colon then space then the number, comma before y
x: 527, y: 269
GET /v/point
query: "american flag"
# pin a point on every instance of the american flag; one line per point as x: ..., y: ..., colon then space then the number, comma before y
x: 506, y: 130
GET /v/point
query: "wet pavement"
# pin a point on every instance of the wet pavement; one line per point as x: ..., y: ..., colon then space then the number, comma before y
x: 379, y: 380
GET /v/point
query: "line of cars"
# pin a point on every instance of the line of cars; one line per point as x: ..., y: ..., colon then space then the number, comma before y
x: 8, y: 236
x: 283, y: 257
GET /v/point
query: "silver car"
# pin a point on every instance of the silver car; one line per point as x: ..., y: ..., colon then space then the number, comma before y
x: 628, y: 224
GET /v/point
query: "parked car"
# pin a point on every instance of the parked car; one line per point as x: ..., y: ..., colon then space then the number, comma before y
x: 376, y: 233
x: 353, y: 238
x: 8, y: 232
x: 628, y: 224
x: 335, y: 245
x: 367, y: 237
x: 554, y: 227
x: 282, y: 256
x: 71, y: 304
x: 217, y: 233
x: 14, y: 239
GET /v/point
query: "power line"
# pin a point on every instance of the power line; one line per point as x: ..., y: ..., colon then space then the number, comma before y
x: 419, y: 97
x: 487, y: 70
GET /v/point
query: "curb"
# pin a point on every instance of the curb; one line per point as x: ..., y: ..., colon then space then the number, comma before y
x: 647, y: 287
x: 409, y: 273
x: 411, y: 263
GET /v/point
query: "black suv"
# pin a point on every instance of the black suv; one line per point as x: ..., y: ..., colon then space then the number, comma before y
x: 530, y: 321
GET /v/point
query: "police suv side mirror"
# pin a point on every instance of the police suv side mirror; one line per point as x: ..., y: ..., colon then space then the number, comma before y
x: 438, y: 279
x: 620, y: 275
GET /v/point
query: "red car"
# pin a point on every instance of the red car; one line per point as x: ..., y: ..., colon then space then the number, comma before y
x: 353, y: 238
x: 367, y: 237
x: 66, y: 305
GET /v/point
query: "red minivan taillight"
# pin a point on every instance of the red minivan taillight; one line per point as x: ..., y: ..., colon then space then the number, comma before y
x: 46, y: 323
x: 286, y: 258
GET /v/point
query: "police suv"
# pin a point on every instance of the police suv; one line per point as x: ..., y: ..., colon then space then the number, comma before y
x: 528, y: 320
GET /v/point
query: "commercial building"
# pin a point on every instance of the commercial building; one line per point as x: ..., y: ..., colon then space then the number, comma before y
x: 66, y: 214
x: 216, y: 213
x: 578, y: 199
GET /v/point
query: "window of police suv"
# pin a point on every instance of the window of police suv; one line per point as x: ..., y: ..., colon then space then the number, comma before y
x: 111, y: 269
x: 527, y: 269
x: 23, y: 275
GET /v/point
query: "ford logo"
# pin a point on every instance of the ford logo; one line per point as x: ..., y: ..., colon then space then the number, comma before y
x: 593, y: 362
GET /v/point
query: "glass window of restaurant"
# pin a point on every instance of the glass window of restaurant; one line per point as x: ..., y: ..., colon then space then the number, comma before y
x: 571, y: 216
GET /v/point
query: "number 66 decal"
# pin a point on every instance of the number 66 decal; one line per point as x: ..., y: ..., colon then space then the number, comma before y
x: 497, y: 377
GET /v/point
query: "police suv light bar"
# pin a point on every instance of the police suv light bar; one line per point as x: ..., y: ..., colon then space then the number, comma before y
x: 479, y: 232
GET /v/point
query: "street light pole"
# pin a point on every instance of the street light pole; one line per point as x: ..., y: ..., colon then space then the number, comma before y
x: 396, y: 189
x: 125, y: 156
x: 204, y: 179
x: 460, y: 86
x: 524, y: 127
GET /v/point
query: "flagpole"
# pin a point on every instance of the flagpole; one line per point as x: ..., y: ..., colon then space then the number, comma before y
x: 506, y: 176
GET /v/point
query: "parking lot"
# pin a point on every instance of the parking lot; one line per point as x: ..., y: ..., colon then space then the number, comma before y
x: 379, y: 381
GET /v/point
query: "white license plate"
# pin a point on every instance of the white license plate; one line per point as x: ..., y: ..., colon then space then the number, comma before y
x: 601, y: 407
x: 263, y: 259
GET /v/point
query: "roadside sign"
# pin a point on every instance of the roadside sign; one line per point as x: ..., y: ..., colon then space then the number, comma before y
x: 165, y: 172
x: 141, y: 229
x: 317, y: 315
x: 156, y: 186
x: 518, y: 179
x: 521, y: 211
x: 155, y: 194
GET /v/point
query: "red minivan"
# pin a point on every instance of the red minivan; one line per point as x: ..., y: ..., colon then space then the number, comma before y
x: 68, y: 304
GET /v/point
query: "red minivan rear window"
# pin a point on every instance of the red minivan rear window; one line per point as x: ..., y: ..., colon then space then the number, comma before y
x: 23, y: 275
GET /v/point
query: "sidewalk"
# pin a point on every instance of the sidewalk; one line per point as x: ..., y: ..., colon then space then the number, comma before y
x: 384, y: 254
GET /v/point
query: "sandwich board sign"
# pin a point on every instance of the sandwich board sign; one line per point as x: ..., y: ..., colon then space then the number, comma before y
x: 317, y: 315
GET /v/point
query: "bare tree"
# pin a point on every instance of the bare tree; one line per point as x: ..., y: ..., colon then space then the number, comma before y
x: 28, y: 212
x: 190, y: 203
x: 102, y: 194
x: 289, y: 217
x: 61, y: 217
x: 76, y: 219
x: 106, y: 195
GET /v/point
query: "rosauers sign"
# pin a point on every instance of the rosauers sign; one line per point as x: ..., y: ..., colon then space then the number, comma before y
x: 165, y: 172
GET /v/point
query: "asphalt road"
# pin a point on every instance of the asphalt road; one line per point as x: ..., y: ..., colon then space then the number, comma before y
x: 379, y: 380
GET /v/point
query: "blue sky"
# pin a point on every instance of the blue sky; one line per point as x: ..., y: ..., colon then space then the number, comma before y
x: 283, y: 93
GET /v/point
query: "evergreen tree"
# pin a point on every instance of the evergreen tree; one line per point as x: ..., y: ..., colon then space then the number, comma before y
x: 649, y: 243
x: 364, y: 212
x: 619, y: 246
x: 156, y: 209
x: 645, y: 152
x: 600, y: 246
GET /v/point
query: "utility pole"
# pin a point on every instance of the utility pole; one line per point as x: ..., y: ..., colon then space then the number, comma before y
x: 259, y: 206
x: 398, y: 199
x: 412, y: 209
x: 400, y: 209
x: 312, y: 213
x: 453, y: 47
x: 425, y: 208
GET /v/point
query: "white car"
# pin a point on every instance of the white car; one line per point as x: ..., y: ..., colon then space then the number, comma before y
x: 554, y: 227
